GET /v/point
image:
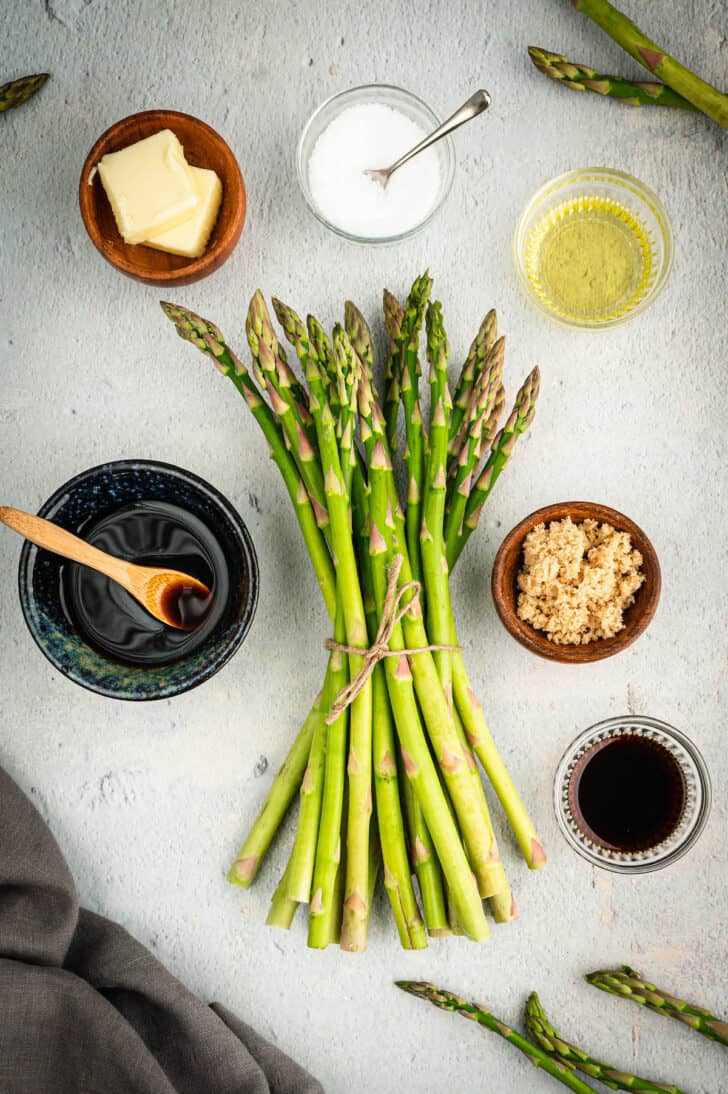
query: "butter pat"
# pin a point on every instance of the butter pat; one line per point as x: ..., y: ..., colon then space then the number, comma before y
x: 190, y: 237
x: 149, y: 185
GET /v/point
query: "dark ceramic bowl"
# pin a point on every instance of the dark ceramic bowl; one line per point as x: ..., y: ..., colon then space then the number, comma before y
x: 87, y: 498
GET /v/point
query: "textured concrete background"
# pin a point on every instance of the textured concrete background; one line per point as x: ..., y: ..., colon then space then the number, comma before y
x: 149, y: 802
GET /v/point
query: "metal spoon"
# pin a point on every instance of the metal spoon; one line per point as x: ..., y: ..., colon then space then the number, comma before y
x: 475, y: 105
x: 162, y: 592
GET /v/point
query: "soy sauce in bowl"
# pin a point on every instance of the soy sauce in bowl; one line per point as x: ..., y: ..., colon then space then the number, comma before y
x: 629, y: 792
x: 150, y: 533
x: 632, y: 794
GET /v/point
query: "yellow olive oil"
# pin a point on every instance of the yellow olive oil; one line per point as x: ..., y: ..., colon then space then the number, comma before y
x: 589, y: 259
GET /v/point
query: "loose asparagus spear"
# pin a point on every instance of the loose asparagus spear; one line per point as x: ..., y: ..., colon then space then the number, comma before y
x: 580, y: 78
x: 543, y: 1033
x: 478, y: 1013
x: 628, y: 35
x: 19, y: 91
x: 630, y: 984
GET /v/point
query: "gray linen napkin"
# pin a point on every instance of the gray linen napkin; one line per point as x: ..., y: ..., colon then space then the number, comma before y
x: 86, y: 1009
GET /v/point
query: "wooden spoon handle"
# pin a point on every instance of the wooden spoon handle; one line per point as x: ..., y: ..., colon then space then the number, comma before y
x: 48, y: 535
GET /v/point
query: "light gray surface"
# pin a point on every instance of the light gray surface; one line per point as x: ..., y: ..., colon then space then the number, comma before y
x: 149, y: 802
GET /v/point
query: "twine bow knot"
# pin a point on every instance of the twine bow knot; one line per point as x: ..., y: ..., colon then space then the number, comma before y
x: 394, y: 610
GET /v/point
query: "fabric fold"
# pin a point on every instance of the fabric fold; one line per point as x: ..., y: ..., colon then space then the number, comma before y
x: 86, y: 1009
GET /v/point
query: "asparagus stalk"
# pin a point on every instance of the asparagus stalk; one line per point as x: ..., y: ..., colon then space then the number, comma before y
x: 424, y: 861
x: 393, y: 319
x: 477, y: 432
x: 630, y: 984
x: 282, y: 908
x: 19, y: 91
x: 471, y: 370
x: 301, y: 863
x: 628, y: 35
x: 518, y: 422
x: 476, y: 1012
x: 281, y: 794
x: 581, y: 78
x: 545, y: 1036
x: 414, y: 313
x: 327, y: 845
x: 503, y: 907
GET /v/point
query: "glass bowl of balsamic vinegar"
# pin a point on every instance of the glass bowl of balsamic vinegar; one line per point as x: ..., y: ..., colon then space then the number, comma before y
x: 632, y: 794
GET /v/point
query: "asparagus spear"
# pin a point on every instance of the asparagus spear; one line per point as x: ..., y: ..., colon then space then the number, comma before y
x: 19, y: 91
x: 518, y: 422
x: 282, y: 908
x: 471, y: 370
x: 630, y: 984
x: 281, y: 794
x: 581, y: 78
x: 414, y: 313
x: 478, y: 1013
x: 543, y: 1033
x: 628, y: 35
x: 393, y: 319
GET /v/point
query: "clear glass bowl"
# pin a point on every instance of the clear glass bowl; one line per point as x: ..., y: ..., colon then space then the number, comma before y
x: 627, y: 196
x: 386, y: 95
x: 695, y: 810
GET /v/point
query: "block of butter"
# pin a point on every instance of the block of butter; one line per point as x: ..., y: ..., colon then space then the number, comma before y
x: 149, y: 186
x: 190, y: 237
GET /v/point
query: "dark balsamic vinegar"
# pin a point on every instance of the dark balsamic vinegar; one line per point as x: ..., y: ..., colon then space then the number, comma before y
x: 151, y: 533
x: 185, y: 604
x: 629, y: 793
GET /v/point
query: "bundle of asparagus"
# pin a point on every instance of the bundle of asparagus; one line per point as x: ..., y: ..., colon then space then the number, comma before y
x: 386, y: 760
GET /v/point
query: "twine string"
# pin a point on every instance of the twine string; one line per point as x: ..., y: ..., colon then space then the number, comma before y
x: 393, y: 612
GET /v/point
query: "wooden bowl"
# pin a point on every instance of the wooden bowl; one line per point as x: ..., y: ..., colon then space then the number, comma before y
x: 508, y: 563
x: 203, y: 148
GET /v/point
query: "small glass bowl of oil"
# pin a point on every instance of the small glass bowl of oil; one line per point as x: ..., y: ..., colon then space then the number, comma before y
x: 593, y: 248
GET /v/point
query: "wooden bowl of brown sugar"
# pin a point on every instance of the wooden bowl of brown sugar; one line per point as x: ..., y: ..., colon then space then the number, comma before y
x: 509, y: 562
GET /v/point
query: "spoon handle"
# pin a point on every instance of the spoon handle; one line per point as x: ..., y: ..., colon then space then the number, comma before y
x: 48, y: 535
x: 475, y: 105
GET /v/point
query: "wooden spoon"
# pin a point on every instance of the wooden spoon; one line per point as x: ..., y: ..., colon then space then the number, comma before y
x: 174, y: 598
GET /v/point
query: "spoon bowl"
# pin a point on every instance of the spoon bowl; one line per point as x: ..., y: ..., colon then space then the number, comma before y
x: 470, y: 109
x: 174, y: 598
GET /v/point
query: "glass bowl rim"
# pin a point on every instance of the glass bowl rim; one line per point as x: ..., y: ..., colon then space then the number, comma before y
x: 588, y: 174
x: 373, y: 241
x: 618, y: 866
x: 212, y: 667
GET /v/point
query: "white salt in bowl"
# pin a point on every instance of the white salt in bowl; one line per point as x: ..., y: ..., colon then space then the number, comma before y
x: 416, y: 191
